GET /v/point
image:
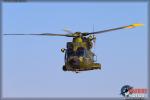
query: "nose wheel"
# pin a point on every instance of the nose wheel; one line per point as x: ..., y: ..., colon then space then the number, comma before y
x: 76, y: 72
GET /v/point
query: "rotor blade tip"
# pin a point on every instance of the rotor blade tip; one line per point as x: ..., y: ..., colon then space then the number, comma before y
x: 134, y: 25
x: 137, y: 24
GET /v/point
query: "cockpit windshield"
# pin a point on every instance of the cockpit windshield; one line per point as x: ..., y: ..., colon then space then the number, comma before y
x: 80, y: 52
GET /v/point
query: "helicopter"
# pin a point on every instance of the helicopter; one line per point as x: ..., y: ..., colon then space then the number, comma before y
x: 78, y: 52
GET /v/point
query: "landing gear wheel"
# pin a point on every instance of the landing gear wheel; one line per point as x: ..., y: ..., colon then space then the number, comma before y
x: 64, y: 68
x: 77, y: 72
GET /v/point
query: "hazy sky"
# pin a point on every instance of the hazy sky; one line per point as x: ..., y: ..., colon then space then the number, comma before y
x: 32, y: 65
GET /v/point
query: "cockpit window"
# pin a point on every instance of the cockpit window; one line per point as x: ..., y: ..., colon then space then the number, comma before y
x: 80, y: 52
x: 70, y: 52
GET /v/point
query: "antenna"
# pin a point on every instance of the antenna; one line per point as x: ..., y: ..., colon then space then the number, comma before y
x: 93, y: 27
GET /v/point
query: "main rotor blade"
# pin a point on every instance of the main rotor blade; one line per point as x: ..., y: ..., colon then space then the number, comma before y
x: 68, y: 31
x: 46, y: 34
x: 113, y: 29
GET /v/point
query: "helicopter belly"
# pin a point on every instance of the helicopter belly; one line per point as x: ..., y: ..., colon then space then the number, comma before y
x: 75, y: 63
x: 82, y: 67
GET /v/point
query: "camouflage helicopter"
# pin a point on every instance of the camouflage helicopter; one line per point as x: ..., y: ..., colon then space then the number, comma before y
x: 78, y: 53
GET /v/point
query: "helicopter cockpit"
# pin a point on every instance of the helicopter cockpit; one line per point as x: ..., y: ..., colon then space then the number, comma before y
x: 79, y: 52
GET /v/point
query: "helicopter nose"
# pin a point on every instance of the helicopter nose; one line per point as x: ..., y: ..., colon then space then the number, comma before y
x: 75, y: 62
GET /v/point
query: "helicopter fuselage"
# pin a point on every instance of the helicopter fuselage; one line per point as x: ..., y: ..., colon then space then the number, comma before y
x: 78, y: 55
